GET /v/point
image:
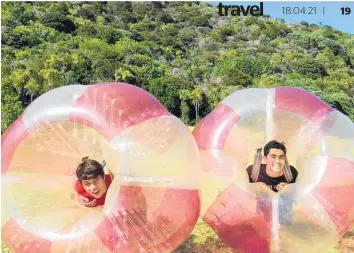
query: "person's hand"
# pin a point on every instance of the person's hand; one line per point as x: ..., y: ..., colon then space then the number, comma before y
x: 82, y: 200
x: 86, y: 202
x: 280, y: 186
x: 91, y: 203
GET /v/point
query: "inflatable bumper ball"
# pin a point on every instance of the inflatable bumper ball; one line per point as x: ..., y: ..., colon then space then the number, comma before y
x: 152, y: 203
x: 309, y: 215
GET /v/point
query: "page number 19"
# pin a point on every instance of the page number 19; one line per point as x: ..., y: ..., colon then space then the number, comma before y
x: 346, y: 11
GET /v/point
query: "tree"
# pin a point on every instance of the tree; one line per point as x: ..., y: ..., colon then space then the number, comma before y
x: 87, y: 30
x: 235, y: 71
x: 235, y: 77
x: 216, y: 93
x: 310, y: 67
x: 167, y: 35
x: 255, y: 32
x: 122, y: 11
x: 329, y: 60
x: 59, y: 22
x: 196, y: 97
x: 304, y: 23
x: 184, y: 96
x: 123, y: 74
x: 251, y: 20
x: 10, y: 104
x: 279, y: 62
x: 86, y: 11
x: 336, y: 48
x: 269, y: 81
x: 272, y: 31
x: 16, y: 13
x: 166, y: 90
x: 339, y: 100
x: 21, y: 36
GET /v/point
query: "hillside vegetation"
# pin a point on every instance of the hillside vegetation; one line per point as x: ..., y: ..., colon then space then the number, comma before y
x: 185, y: 54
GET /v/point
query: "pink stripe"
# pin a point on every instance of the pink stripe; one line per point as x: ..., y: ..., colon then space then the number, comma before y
x: 161, y: 233
x: 338, y: 200
x: 10, y: 140
x: 300, y: 102
x: 180, y: 201
x: 179, y: 211
x: 242, y: 228
x: 212, y: 131
x: 26, y: 242
x: 113, y: 107
x: 111, y: 231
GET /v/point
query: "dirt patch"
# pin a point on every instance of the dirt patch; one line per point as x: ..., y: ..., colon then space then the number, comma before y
x: 346, y: 244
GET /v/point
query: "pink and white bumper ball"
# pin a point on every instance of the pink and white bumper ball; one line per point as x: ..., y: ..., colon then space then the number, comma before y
x: 153, y: 202
x: 309, y: 215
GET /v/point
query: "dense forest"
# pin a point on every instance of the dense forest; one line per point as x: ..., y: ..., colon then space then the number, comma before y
x: 183, y: 53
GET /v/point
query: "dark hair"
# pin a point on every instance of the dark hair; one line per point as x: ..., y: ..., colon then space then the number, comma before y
x: 89, y: 169
x: 273, y: 144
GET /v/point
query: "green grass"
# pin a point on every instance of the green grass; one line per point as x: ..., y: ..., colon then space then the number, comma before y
x: 204, y: 240
x: 5, y: 249
x: 334, y: 250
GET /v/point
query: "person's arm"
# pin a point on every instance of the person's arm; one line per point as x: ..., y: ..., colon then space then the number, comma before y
x: 295, y: 174
x: 283, y: 184
x: 249, y: 172
x: 91, y: 203
x: 84, y: 201
x: 280, y: 186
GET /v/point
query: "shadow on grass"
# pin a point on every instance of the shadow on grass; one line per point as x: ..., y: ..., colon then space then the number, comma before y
x: 349, y: 234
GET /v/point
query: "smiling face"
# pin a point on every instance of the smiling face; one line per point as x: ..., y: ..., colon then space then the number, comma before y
x: 275, y: 160
x: 96, y: 187
x: 91, y: 175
